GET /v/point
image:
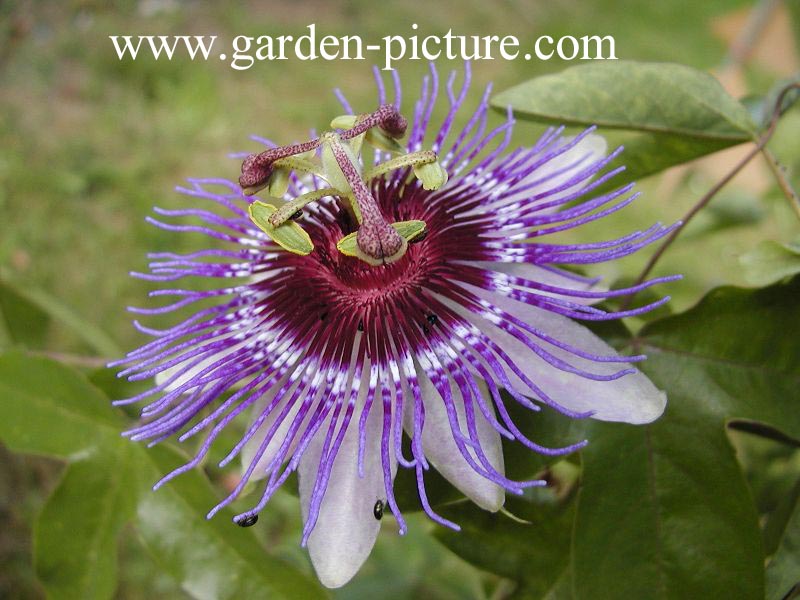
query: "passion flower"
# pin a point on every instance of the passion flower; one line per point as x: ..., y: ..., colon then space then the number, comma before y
x: 395, y: 277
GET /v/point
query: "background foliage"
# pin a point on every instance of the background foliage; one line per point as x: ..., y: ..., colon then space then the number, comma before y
x: 701, y: 504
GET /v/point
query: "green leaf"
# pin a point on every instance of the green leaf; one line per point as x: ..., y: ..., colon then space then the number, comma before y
x: 794, y: 13
x: 561, y: 590
x: 636, y: 96
x: 731, y: 354
x: 667, y: 502
x: 21, y: 321
x: 664, y: 512
x: 26, y: 314
x: 536, y: 555
x: 779, y: 519
x: 50, y: 409
x: 664, y: 114
x: 75, y: 536
x: 783, y: 570
x: 93, y: 336
x: 210, y: 559
x: 650, y: 153
x: 770, y: 262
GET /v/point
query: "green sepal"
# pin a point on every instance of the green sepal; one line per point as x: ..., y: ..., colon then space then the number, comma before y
x: 289, y: 236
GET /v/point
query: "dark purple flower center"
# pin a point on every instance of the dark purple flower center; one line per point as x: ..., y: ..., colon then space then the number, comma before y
x: 347, y: 285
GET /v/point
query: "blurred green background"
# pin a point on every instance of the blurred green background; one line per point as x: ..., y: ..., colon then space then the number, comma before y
x: 88, y: 144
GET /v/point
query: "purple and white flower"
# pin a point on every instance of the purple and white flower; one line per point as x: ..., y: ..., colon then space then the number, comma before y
x: 330, y: 356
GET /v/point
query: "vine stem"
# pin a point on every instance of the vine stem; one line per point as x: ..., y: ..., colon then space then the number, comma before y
x: 783, y: 182
x: 708, y: 196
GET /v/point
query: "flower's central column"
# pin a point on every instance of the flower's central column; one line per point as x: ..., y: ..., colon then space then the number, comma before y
x: 377, y: 240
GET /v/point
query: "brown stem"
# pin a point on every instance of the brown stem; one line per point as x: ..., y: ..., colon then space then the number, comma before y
x: 783, y: 182
x: 708, y: 196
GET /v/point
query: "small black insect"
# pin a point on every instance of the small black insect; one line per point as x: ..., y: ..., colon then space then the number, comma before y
x: 361, y: 325
x: 421, y: 236
x: 248, y: 521
x: 425, y: 329
x: 296, y: 215
x: 377, y: 510
x: 433, y: 319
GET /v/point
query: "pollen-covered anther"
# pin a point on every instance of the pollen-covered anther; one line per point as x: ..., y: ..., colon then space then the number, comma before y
x: 344, y: 121
x: 255, y: 175
x: 288, y: 235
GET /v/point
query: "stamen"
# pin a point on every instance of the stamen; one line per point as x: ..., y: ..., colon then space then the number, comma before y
x: 290, y: 209
x: 376, y: 241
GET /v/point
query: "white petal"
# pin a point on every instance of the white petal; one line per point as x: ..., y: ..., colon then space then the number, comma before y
x: 198, y: 368
x: 590, y: 149
x: 251, y: 446
x: 440, y: 447
x: 532, y: 272
x: 346, y: 529
x: 632, y: 398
